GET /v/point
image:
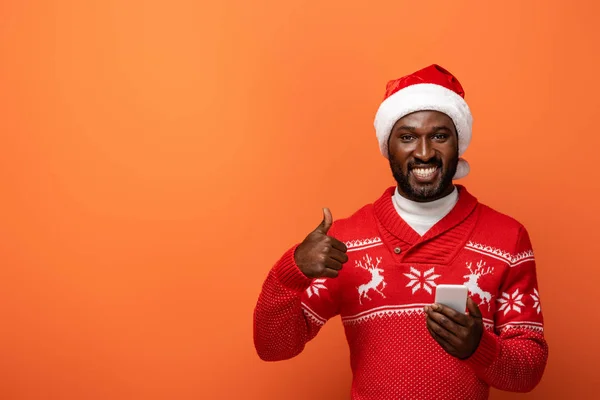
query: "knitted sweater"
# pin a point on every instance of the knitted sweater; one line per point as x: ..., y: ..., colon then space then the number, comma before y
x: 381, y: 291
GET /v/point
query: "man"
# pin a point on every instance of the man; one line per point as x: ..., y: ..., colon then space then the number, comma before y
x: 379, y: 268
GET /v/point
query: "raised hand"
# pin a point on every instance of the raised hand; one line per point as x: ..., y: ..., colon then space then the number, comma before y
x: 320, y: 255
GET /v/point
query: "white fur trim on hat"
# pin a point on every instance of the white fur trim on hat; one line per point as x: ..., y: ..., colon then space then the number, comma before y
x: 462, y: 169
x: 422, y: 97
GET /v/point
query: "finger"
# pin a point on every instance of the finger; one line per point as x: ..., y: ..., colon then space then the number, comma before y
x: 439, y: 330
x: 443, y: 342
x: 445, y: 322
x: 448, y: 338
x: 336, y: 244
x: 326, y: 223
x: 338, y: 256
x: 457, y: 317
x: 329, y: 273
x: 473, y: 308
x: 333, y: 264
x: 437, y: 333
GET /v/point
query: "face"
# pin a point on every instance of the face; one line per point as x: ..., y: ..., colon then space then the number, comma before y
x: 423, y: 155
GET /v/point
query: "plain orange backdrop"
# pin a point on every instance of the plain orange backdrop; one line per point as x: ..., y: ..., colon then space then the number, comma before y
x: 157, y: 157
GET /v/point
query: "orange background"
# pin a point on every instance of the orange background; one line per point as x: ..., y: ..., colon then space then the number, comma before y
x: 157, y: 157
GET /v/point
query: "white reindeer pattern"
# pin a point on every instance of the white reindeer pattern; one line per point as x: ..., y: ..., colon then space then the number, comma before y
x: 472, y: 284
x: 376, y: 278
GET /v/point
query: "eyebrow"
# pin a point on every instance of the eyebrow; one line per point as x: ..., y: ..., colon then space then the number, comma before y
x: 413, y: 128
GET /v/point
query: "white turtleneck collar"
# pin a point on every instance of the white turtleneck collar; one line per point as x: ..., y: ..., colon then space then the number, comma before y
x: 422, y: 216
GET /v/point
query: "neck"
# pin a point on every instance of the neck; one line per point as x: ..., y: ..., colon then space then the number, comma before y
x: 421, y: 216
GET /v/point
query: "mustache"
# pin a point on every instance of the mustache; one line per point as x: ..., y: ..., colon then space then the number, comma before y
x: 434, y: 162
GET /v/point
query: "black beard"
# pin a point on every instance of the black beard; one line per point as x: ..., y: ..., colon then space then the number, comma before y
x: 426, y: 192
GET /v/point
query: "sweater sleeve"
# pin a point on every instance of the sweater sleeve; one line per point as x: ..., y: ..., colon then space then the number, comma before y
x: 291, y: 309
x: 513, y: 358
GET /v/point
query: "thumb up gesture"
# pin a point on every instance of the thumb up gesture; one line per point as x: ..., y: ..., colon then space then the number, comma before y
x: 320, y: 255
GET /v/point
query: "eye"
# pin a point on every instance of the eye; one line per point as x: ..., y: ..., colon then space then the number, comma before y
x: 440, y: 137
x: 406, y: 137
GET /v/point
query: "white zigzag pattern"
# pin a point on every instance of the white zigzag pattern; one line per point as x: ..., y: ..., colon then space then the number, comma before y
x: 387, y: 311
x: 382, y: 313
x: 313, y: 316
x: 358, y: 244
x: 390, y: 311
x: 313, y: 319
x: 531, y: 326
x: 505, y: 255
x: 536, y: 329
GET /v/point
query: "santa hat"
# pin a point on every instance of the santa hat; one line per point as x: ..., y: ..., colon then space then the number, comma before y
x: 432, y: 88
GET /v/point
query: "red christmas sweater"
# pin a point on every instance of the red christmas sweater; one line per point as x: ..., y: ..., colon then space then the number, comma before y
x: 381, y: 291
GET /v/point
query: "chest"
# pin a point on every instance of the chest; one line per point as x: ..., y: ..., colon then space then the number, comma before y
x: 374, y: 279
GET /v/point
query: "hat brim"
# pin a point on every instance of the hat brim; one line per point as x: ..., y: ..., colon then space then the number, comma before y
x: 423, y: 97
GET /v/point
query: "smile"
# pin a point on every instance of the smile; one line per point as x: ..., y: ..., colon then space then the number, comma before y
x: 425, y: 174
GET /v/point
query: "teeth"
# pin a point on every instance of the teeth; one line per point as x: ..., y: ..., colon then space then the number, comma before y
x: 424, y: 172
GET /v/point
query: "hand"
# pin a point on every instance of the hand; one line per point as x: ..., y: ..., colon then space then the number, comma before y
x: 459, y: 334
x: 320, y: 255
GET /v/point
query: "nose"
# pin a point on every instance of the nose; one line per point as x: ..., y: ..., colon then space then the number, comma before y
x: 424, y: 150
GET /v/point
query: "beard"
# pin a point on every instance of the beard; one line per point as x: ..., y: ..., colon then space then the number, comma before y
x: 423, y: 192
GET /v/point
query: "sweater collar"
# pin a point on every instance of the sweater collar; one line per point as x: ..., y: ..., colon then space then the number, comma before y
x: 388, y: 216
x: 425, y: 211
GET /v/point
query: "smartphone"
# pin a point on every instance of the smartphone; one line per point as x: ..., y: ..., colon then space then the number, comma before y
x: 453, y: 296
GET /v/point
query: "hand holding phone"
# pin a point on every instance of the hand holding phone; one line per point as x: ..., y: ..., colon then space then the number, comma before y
x: 448, y: 324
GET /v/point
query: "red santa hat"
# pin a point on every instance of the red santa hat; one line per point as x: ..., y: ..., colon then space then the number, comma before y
x: 432, y: 88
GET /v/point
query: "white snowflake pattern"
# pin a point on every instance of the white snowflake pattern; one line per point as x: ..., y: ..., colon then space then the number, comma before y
x: 536, y: 301
x: 423, y: 280
x: 314, y: 288
x: 510, y: 302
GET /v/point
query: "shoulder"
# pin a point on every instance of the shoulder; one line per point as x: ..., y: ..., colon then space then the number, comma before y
x: 364, y: 218
x: 490, y: 218
x: 358, y: 229
x: 360, y: 224
x: 500, y: 230
x: 498, y: 220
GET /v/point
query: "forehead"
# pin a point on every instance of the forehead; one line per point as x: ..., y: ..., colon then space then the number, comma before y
x: 426, y: 120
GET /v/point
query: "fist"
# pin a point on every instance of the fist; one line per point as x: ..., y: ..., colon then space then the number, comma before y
x: 320, y: 255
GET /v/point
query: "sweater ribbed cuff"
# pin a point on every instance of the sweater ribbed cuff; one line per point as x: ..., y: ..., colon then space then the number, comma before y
x: 485, y: 354
x: 288, y: 273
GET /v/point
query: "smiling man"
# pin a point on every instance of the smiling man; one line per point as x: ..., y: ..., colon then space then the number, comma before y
x: 378, y: 269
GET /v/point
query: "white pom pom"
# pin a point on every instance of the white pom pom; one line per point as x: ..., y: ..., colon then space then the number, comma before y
x: 462, y: 169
